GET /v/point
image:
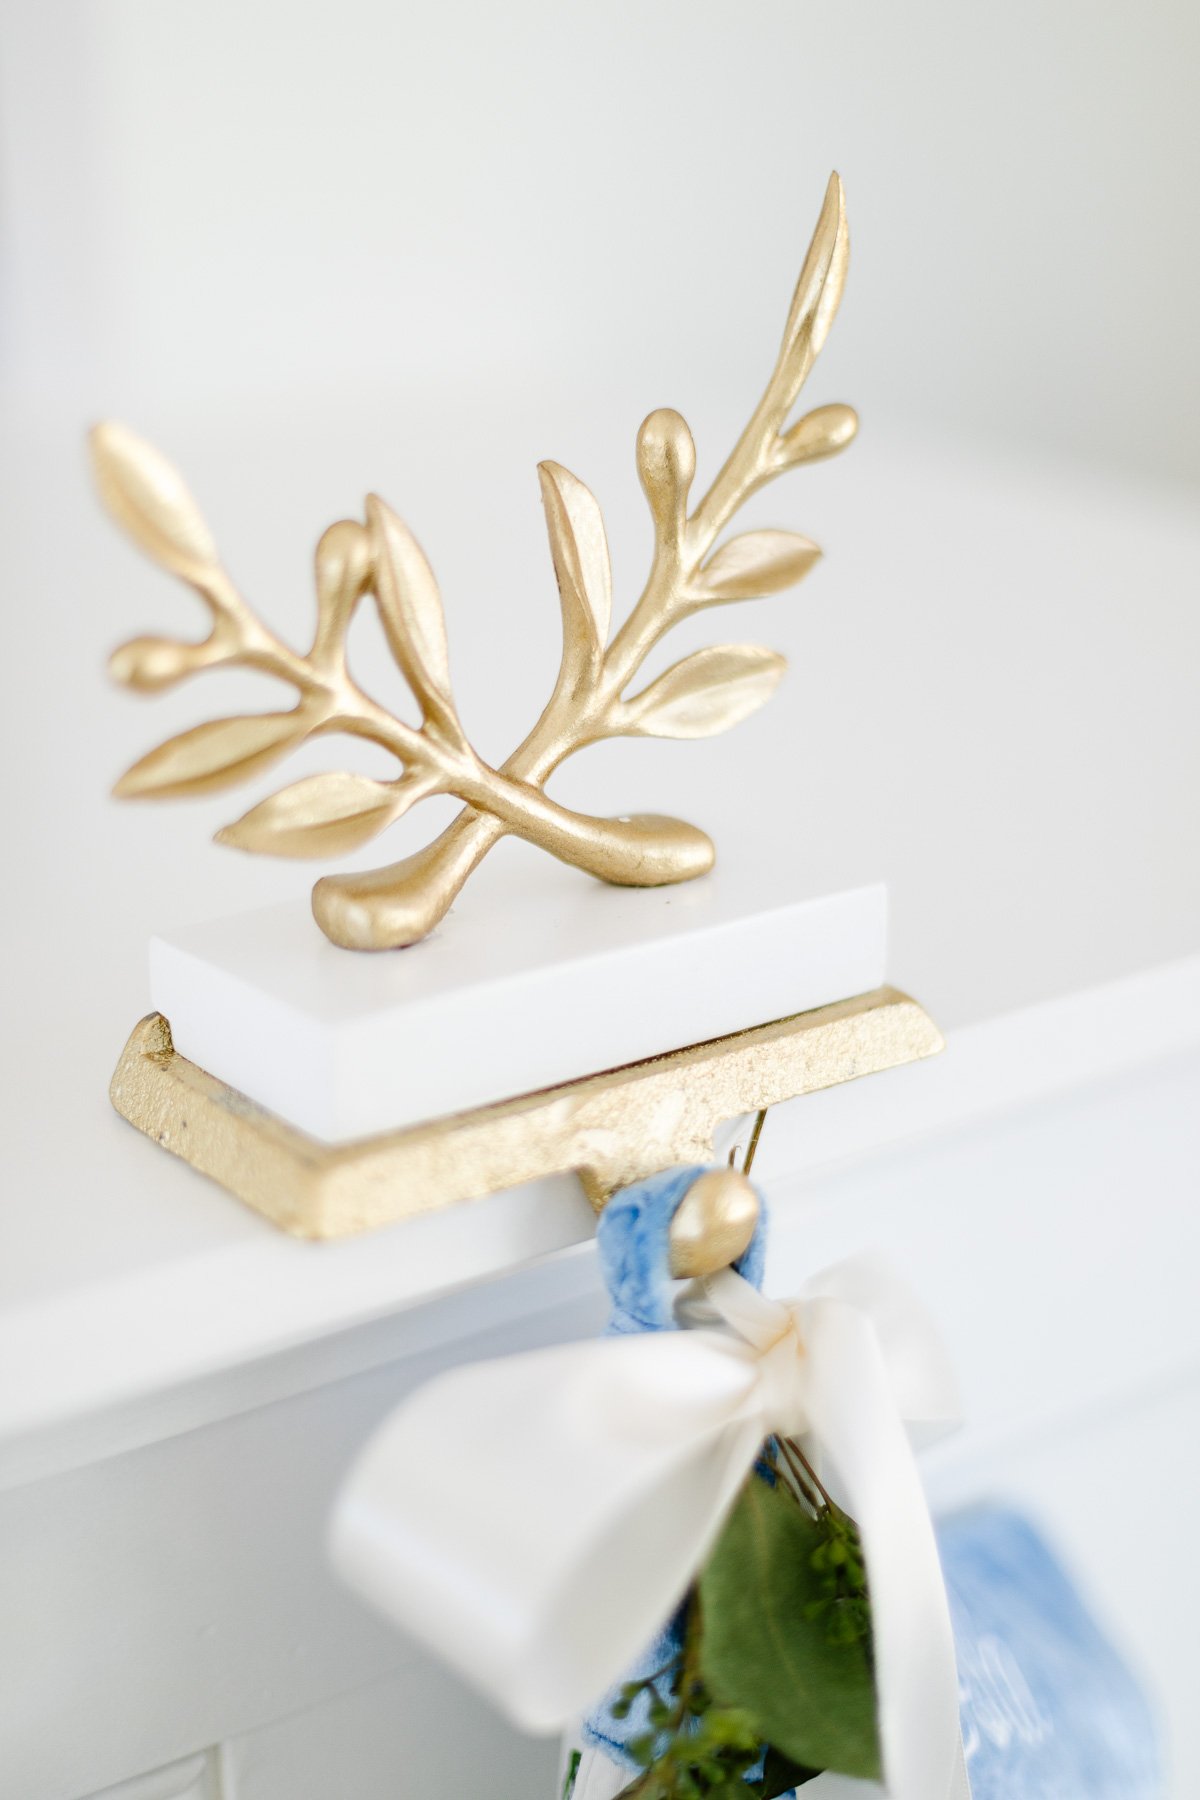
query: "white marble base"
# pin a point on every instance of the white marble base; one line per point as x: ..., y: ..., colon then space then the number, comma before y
x: 550, y: 981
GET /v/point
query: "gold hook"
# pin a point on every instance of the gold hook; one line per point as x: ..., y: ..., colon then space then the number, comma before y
x: 752, y: 1148
x: 717, y: 1217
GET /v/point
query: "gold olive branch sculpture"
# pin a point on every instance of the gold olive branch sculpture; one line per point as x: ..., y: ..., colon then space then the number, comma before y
x: 331, y: 814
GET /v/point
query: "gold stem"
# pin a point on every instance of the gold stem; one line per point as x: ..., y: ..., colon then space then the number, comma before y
x: 393, y: 906
x: 630, y: 852
x: 243, y: 639
x: 403, y: 901
x: 744, y: 471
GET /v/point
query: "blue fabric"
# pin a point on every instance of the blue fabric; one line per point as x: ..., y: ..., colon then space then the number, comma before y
x: 635, y: 1251
x: 1049, y: 1711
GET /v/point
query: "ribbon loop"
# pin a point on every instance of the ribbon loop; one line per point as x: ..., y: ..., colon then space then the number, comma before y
x: 760, y: 1321
x: 604, y: 1472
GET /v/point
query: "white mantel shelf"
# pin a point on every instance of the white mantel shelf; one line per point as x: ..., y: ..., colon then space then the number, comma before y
x: 224, y: 1292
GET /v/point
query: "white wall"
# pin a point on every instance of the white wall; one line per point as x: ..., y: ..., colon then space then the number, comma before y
x: 209, y: 200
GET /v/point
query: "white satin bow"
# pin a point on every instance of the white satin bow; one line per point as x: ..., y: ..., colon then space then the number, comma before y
x: 536, y: 1519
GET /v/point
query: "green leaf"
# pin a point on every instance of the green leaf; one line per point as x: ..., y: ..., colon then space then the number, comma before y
x: 763, y: 1649
x: 780, y: 1775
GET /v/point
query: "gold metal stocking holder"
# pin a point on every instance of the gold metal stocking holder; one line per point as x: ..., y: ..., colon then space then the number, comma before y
x: 610, y: 1128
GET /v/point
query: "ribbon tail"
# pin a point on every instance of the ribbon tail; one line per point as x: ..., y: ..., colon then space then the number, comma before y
x: 855, y: 1421
x: 534, y: 1519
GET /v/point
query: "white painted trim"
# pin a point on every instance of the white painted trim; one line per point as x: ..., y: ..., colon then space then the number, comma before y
x: 158, y: 1337
x: 1000, y: 1063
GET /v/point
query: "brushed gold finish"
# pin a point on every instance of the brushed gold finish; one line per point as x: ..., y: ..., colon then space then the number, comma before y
x: 713, y: 1224
x: 332, y: 814
x: 611, y: 1129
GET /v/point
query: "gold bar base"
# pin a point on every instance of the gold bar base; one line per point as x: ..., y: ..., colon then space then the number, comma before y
x: 610, y: 1129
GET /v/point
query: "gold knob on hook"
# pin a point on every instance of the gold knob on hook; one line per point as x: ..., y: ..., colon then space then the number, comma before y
x: 713, y: 1225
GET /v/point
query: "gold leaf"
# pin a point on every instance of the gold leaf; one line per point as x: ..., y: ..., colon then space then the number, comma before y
x: 819, y: 289
x: 323, y: 815
x: 757, y: 563
x: 666, y: 464
x: 150, y: 664
x: 216, y: 755
x: 342, y: 567
x: 705, y: 693
x: 411, y: 609
x: 820, y: 433
x: 147, y: 497
x: 579, y: 547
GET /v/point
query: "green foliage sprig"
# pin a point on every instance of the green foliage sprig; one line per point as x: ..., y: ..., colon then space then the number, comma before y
x: 774, y: 1682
